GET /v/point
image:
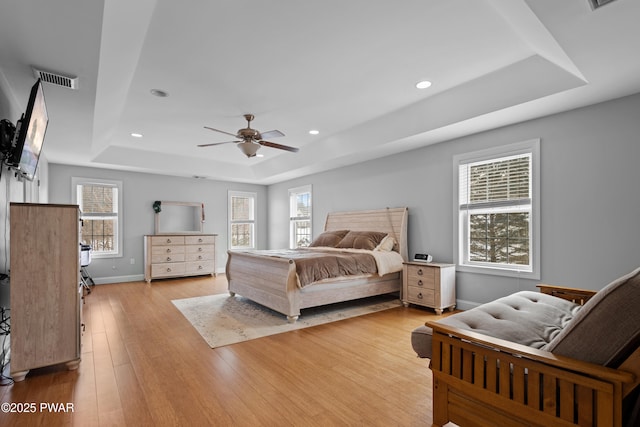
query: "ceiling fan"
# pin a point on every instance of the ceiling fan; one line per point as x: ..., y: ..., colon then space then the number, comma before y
x: 250, y: 140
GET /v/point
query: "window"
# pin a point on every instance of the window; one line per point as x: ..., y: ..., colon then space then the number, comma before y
x: 300, y: 217
x: 242, y: 220
x: 497, y: 209
x: 100, y: 204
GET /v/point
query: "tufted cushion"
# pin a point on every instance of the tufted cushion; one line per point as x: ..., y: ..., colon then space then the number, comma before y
x: 528, y: 318
x: 607, y: 328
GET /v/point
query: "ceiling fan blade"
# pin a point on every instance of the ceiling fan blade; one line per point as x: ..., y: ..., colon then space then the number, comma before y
x: 217, y: 143
x: 272, y: 134
x: 221, y: 131
x: 280, y: 146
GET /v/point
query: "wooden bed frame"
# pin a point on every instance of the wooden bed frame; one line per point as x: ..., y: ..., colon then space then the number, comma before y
x: 272, y: 281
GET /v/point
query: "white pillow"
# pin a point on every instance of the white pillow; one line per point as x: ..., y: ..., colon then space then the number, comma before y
x: 386, y: 244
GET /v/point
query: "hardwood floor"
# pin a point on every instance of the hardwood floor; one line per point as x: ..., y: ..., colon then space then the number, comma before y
x: 143, y: 364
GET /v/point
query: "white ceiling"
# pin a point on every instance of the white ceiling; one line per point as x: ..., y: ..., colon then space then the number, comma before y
x: 347, y: 69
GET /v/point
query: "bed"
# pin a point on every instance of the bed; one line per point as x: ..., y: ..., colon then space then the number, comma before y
x: 271, y: 278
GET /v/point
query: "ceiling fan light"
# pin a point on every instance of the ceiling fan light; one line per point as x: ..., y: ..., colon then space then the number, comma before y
x: 248, y: 148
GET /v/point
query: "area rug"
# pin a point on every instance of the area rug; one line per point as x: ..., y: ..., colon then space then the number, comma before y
x: 222, y: 319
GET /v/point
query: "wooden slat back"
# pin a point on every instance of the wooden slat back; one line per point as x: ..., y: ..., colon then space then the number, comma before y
x: 543, y: 394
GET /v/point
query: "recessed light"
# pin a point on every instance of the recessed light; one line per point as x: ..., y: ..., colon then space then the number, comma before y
x: 136, y: 135
x: 314, y: 132
x: 159, y: 93
x: 423, y: 84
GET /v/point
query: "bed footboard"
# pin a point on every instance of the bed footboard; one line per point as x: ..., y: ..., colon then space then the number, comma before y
x: 269, y: 281
x: 480, y: 381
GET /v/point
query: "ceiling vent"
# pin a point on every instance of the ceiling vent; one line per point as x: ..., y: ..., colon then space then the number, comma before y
x: 597, y: 3
x: 56, y: 79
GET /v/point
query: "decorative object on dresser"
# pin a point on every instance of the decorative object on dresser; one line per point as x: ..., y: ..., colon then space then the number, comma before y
x: 178, y: 255
x: 430, y: 285
x: 46, y: 296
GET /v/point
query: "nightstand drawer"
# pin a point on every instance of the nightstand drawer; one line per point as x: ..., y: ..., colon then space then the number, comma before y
x: 424, y: 277
x: 421, y: 296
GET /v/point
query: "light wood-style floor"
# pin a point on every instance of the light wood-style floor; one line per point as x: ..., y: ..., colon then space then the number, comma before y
x: 143, y: 364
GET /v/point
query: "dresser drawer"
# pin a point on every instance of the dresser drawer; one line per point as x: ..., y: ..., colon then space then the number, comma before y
x: 167, y: 240
x: 421, y: 296
x: 199, y: 249
x: 199, y: 267
x: 168, y: 269
x: 199, y: 256
x: 198, y: 240
x: 167, y: 257
x: 167, y: 250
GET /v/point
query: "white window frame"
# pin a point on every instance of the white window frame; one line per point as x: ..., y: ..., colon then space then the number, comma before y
x: 253, y: 221
x: 294, y: 218
x: 460, y: 228
x: 77, y: 181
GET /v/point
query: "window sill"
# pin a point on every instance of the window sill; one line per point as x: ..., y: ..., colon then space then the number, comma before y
x: 494, y: 271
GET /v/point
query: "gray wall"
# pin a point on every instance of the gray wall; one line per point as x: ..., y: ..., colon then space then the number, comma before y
x: 590, y: 197
x: 140, y: 191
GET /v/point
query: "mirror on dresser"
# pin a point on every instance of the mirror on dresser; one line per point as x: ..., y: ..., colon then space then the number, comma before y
x: 178, y: 217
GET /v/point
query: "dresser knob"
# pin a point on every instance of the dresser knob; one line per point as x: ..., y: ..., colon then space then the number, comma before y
x: 419, y: 272
x: 168, y: 250
x: 168, y: 270
x: 199, y: 249
x: 168, y: 240
x: 420, y: 295
x: 200, y: 240
x: 168, y: 258
x: 199, y: 256
x: 200, y: 267
x: 420, y: 283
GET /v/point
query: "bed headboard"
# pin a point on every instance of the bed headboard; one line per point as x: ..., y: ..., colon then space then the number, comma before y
x: 388, y: 220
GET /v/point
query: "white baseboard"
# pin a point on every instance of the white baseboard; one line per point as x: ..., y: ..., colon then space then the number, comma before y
x: 465, y: 305
x: 131, y: 278
x: 118, y: 279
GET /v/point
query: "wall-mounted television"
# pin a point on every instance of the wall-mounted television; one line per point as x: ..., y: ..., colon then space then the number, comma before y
x: 29, y: 136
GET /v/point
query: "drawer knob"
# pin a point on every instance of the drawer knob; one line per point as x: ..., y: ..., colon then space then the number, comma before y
x: 420, y: 295
x: 168, y: 270
x: 199, y: 256
x: 200, y: 267
x: 168, y: 250
x: 199, y: 249
x: 168, y: 240
x: 420, y: 283
x: 419, y: 272
x: 200, y: 240
x: 168, y: 259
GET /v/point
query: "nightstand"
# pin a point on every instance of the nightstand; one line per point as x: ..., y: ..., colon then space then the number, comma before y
x: 430, y: 285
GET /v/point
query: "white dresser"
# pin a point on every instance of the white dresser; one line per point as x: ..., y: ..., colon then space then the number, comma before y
x: 179, y: 255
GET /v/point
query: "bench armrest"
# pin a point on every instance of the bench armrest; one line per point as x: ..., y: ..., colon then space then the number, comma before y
x: 576, y: 295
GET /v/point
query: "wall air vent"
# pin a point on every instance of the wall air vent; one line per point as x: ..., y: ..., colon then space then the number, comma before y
x: 56, y: 79
x: 597, y: 3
